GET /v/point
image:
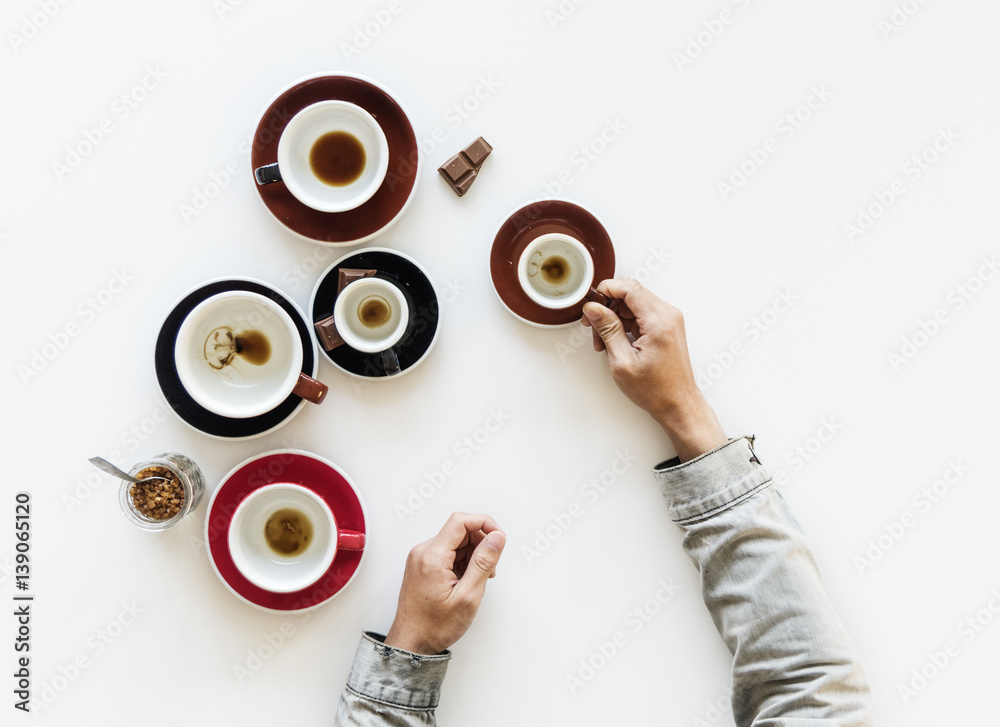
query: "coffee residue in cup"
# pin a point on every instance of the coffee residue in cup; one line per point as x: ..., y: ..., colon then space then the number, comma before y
x: 374, y: 311
x: 337, y: 158
x: 288, y: 532
x: 555, y: 270
x: 223, y: 345
x: 157, y: 499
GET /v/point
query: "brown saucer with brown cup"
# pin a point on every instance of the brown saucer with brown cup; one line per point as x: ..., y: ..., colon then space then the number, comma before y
x: 542, y: 257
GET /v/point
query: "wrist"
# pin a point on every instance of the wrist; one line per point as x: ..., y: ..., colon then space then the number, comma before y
x: 398, y: 638
x: 693, y: 429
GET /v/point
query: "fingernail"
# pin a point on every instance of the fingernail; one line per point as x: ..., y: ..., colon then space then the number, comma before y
x: 495, y: 540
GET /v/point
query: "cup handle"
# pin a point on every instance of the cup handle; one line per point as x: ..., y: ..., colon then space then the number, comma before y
x: 310, y: 389
x: 595, y: 296
x: 267, y: 174
x: 390, y: 362
x: 350, y: 540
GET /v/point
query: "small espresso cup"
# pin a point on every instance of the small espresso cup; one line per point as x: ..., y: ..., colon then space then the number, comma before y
x: 238, y: 354
x: 555, y: 270
x: 283, y: 537
x: 332, y: 156
x: 371, y: 315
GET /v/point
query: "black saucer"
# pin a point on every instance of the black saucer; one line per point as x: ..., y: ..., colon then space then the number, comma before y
x: 417, y: 289
x: 193, y: 413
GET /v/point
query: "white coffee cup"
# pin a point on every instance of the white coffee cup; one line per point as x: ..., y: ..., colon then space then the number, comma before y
x: 295, y: 148
x: 371, y: 315
x: 265, y: 368
x: 291, y: 512
x: 555, y: 270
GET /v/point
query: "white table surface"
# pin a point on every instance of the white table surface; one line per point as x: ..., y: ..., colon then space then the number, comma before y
x: 551, y: 79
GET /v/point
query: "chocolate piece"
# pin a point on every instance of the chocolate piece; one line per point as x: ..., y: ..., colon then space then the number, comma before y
x: 461, y: 170
x: 477, y: 151
x: 327, y: 333
x: 462, y: 186
x: 594, y: 296
x: 349, y: 275
x: 456, y: 168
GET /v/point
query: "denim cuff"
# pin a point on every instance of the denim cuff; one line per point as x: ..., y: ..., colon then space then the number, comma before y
x: 395, y: 676
x: 712, y: 482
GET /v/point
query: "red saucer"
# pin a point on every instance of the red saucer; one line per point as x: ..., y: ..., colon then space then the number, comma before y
x: 300, y: 468
x: 386, y: 205
x: 523, y: 226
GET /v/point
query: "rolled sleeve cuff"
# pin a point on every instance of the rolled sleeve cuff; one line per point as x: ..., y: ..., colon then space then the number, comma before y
x: 397, y: 677
x: 712, y: 482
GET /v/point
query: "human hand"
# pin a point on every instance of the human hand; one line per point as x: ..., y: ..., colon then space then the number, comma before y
x: 654, y: 371
x: 444, y: 582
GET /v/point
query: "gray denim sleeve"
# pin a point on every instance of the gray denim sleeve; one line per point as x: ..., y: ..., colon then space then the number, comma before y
x: 793, y: 662
x: 389, y: 686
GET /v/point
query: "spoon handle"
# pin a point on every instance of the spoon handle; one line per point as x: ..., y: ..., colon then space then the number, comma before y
x: 103, y: 464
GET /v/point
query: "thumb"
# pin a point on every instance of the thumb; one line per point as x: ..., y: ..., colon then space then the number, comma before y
x: 609, y: 327
x: 483, y: 562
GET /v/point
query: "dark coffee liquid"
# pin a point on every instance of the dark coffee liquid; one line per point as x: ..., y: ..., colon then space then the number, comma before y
x: 374, y: 311
x: 555, y: 270
x: 254, y: 347
x: 288, y: 532
x: 222, y: 346
x: 337, y: 158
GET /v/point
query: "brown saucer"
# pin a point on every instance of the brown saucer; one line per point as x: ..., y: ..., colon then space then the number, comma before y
x: 534, y: 220
x: 385, y: 206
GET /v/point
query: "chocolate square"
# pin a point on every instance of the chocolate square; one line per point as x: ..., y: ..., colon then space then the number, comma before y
x: 456, y: 168
x: 349, y: 275
x: 463, y: 185
x: 327, y: 333
x: 477, y: 151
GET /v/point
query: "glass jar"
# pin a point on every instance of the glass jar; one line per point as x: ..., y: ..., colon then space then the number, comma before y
x: 187, y: 473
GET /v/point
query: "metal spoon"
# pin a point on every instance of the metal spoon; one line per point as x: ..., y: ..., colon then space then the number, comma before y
x: 103, y: 464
